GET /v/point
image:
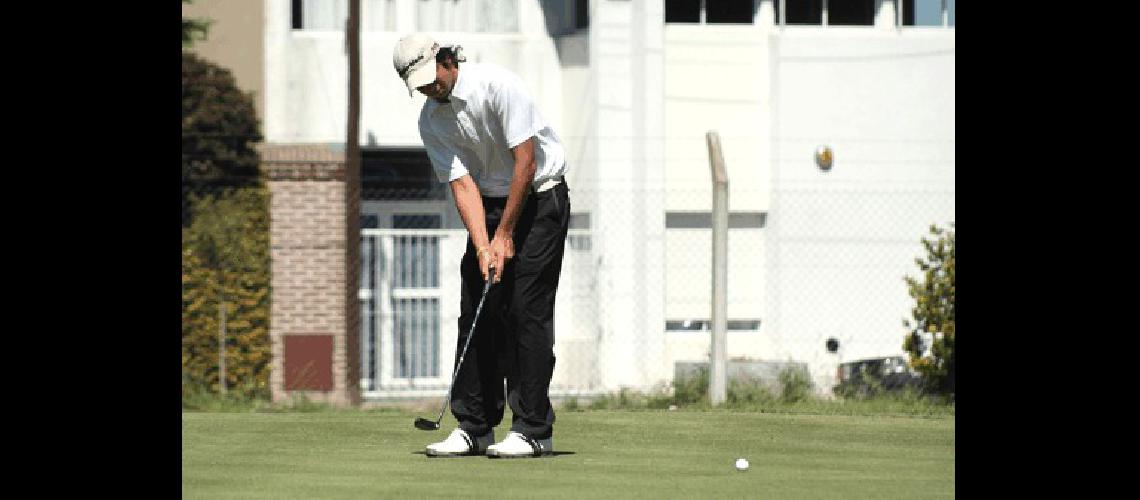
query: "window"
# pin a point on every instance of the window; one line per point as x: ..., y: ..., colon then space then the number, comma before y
x: 369, y: 222
x: 703, y: 220
x: 578, y: 237
x: 850, y: 12
x: 378, y: 15
x: 709, y: 11
x: 415, y: 281
x: 295, y: 11
x: 581, y: 14
x: 416, y: 221
x: 728, y: 11
x: 400, y: 299
x: 928, y: 12
x: 802, y: 11
x: 682, y: 11
x: 431, y: 15
x: 839, y: 12
x: 416, y: 337
x: 704, y: 325
x: 565, y: 17
x: 329, y: 15
x: 398, y: 174
x: 479, y: 16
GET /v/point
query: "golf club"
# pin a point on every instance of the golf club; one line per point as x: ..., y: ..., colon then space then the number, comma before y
x: 424, y: 424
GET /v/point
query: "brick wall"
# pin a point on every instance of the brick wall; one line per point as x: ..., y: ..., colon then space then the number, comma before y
x: 313, y: 284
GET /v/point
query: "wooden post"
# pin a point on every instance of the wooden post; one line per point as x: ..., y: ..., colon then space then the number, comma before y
x: 718, y: 363
x: 352, y: 237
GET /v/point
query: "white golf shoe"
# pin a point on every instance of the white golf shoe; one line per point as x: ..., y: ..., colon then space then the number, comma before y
x: 460, y: 443
x: 519, y: 446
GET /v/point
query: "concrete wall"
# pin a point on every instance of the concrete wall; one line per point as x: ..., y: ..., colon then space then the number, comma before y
x: 840, y: 242
x: 626, y: 57
x: 716, y: 79
x: 831, y: 258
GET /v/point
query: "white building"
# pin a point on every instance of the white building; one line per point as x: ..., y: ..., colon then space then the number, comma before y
x: 632, y: 87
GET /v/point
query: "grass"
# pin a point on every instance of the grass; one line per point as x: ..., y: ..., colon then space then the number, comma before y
x: 648, y: 453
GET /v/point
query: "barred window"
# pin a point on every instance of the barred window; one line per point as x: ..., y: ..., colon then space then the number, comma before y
x: 710, y: 11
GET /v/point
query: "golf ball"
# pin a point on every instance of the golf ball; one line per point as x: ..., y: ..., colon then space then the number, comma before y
x: 741, y: 464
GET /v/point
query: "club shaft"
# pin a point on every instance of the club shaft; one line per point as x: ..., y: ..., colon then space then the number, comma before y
x: 470, y: 333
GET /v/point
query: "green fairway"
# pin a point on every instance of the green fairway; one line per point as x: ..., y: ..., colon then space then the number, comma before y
x: 614, y: 454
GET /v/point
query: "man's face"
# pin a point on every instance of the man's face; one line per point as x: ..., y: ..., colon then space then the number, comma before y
x: 444, y: 81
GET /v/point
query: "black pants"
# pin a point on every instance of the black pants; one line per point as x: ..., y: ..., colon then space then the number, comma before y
x: 514, y: 339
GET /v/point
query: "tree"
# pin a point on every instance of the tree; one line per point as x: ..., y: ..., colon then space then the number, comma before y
x: 219, y: 130
x: 225, y: 232
x: 930, y: 340
x: 225, y: 293
x: 193, y: 29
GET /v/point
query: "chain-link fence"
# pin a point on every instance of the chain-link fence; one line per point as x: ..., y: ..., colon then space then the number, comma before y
x: 815, y: 279
x: 634, y: 310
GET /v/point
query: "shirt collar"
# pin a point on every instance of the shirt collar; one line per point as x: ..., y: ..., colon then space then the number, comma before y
x: 460, y: 93
x: 462, y: 88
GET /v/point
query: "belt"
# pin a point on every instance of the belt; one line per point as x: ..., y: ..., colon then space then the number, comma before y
x: 548, y: 183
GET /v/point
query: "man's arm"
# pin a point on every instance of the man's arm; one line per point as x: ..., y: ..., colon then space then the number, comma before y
x: 503, y: 245
x: 470, y: 205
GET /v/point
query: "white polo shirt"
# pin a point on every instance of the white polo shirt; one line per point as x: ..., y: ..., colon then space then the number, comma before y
x: 488, y: 114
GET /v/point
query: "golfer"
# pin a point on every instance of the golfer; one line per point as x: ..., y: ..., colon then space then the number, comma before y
x: 506, y: 166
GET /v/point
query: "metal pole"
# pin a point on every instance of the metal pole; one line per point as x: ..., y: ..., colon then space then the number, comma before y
x: 718, y: 375
x: 222, y: 333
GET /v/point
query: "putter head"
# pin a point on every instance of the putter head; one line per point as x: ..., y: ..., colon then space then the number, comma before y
x: 424, y: 424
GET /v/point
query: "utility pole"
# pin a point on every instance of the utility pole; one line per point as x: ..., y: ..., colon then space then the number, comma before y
x: 352, y: 207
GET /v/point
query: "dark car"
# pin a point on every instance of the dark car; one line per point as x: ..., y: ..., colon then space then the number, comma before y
x: 871, y: 375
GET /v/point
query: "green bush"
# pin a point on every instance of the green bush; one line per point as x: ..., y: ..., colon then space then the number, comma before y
x: 225, y: 263
x: 934, y: 313
x: 748, y: 392
x: 795, y: 385
x: 692, y: 389
x: 225, y: 237
x: 871, y: 387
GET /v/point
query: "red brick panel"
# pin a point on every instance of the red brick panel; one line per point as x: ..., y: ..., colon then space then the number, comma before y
x: 314, y: 288
x: 308, y: 362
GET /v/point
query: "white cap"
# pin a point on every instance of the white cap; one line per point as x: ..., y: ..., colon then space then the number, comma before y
x: 414, y: 60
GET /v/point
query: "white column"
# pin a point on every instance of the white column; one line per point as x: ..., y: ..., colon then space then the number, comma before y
x: 766, y: 14
x: 405, y: 16
x: 886, y: 16
x: 278, y: 22
x: 626, y: 50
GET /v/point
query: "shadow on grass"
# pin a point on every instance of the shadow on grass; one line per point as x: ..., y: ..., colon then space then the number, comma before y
x: 552, y: 454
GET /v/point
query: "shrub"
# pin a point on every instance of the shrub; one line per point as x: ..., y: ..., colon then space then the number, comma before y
x: 796, y: 385
x: 743, y: 392
x: 930, y: 340
x: 225, y: 236
x: 225, y: 263
x: 692, y: 389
